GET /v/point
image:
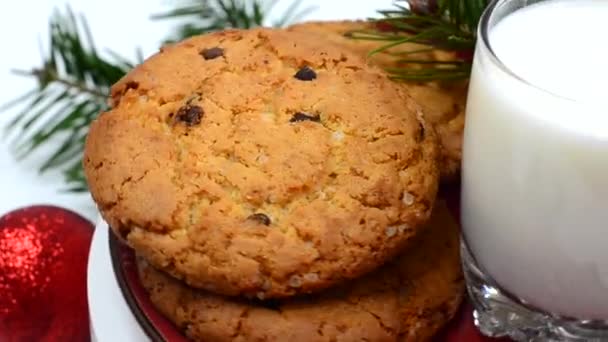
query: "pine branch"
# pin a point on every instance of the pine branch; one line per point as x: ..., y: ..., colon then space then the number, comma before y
x: 201, y: 16
x: 73, y: 84
x: 51, y: 76
x: 448, y: 25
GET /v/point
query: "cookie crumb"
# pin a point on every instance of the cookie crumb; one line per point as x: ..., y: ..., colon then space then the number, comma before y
x: 272, y: 198
x: 408, y: 199
x: 212, y: 53
x: 295, y: 281
x: 260, y: 295
x: 391, y: 231
x: 306, y: 74
x: 262, y: 158
x: 311, y: 277
x: 337, y: 136
x: 402, y: 228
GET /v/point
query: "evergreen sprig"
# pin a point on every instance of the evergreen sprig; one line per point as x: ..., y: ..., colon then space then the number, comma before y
x: 74, y: 79
x: 202, y: 16
x: 73, y: 84
x: 448, y: 25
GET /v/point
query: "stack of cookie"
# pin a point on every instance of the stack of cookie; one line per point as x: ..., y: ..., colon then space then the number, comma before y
x: 278, y: 187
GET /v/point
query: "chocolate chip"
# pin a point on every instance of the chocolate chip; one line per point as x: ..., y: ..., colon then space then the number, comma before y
x: 306, y: 74
x: 299, y: 116
x: 190, y: 115
x: 212, y: 53
x: 260, y: 218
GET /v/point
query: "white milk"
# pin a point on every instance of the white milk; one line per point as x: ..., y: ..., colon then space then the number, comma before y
x: 535, y: 166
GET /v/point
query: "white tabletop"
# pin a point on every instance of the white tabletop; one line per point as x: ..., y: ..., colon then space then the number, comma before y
x: 111, y: 319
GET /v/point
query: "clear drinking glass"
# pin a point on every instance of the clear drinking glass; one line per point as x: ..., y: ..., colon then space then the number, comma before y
x: 534, y: 195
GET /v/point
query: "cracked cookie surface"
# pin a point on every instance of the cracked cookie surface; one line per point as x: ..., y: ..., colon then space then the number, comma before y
x: 443, y: 102
x: 409, y: 299
x: 262, y: 163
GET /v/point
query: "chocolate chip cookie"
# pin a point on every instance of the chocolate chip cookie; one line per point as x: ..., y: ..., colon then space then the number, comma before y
x: 409, y: 299
x: 262, y: 163
x: 442, y: 102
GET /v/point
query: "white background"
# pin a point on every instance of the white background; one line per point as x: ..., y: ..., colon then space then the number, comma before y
x: 122, y: 25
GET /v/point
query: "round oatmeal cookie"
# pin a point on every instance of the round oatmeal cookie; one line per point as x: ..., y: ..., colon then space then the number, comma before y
x: 443, y: 102
x: 409, y: 299
x: 262, y: 163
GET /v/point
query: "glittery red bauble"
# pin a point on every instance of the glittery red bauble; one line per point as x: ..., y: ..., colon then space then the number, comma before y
x: 43, y: 266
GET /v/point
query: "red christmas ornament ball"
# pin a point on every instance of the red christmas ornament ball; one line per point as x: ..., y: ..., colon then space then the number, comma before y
x: 43, y: 267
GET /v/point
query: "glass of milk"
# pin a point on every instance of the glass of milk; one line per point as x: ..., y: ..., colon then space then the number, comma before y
x: 535, y: 171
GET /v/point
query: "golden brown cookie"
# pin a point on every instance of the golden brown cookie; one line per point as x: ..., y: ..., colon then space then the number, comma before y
x: 262, y: 163
x: 409, y: 299
x: 443, y: 102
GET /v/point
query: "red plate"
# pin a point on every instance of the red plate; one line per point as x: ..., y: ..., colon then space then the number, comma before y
x: 159, y: 329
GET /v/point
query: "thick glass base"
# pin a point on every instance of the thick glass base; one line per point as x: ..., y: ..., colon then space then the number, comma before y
x: 498, y: 314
